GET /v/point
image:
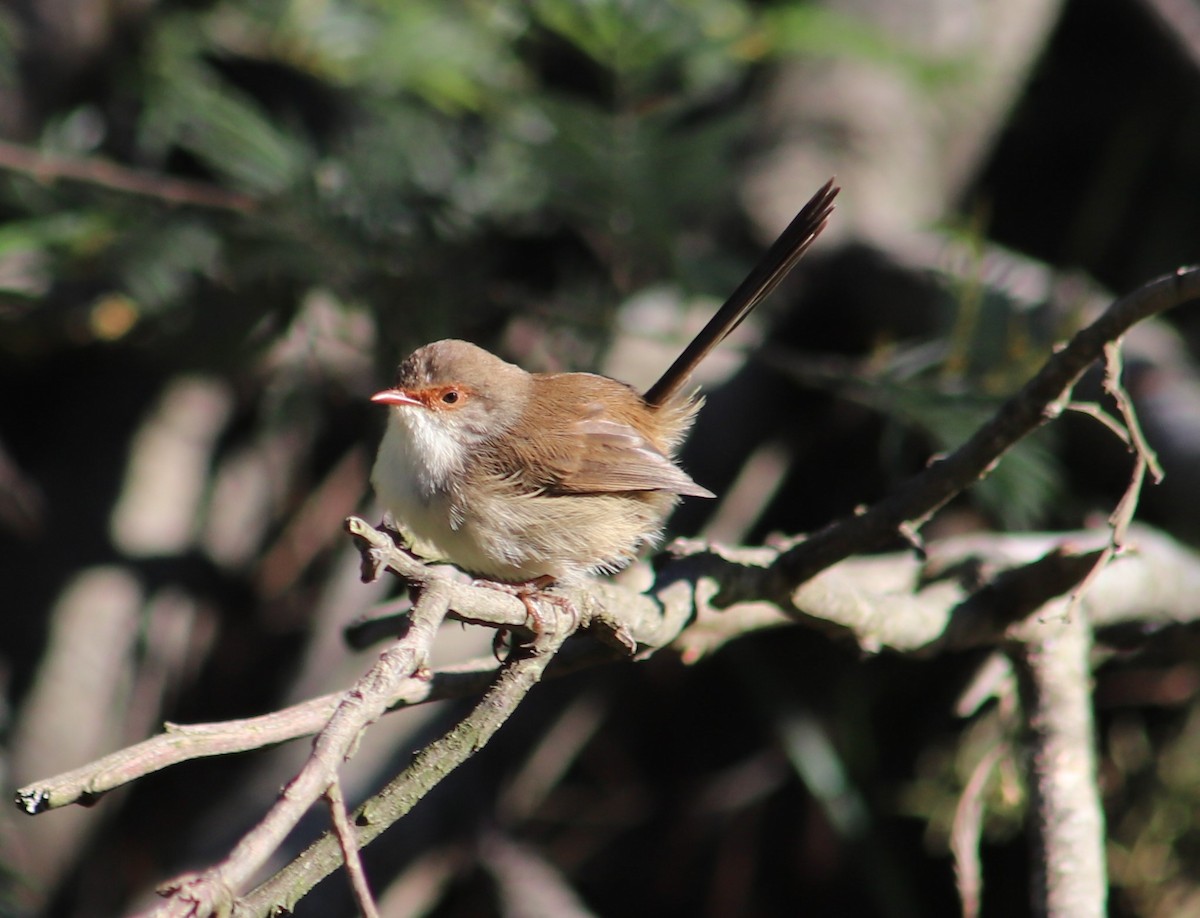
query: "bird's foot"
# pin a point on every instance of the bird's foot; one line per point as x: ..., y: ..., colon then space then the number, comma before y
x: 530, y: 592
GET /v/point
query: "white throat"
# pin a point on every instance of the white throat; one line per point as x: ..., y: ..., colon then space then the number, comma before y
x: 416, y: 461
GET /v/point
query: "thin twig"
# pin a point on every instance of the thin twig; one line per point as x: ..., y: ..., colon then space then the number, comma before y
x: 49, y: 167
x: 968, y: 829
x: 467, y: 603
x: 348, y: 843
x: 1113, y: 365
x: 623, y: 618
x: 1094, y: 411
x: 520, y: 673
x: 211, y: 891
x: 184, y: 742
x: 1144, y: 460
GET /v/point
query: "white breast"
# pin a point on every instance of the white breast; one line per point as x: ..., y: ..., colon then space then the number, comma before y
x: 416, y: 460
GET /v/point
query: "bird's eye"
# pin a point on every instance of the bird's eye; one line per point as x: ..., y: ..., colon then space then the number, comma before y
x: 450, y: 396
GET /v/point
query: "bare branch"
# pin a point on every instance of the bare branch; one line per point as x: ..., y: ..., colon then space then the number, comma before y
x: 890, y: 601
x: 924, y: 494
x: 1113, y: 369
x: 348, y: 843
x: 212, y: 890
x: 611, y: 609
x: 967, y: 830
x: 519, y: 674
x: 897, y: 602
x: 623, y: 616
x: 1055, y: 678
x: 883, y: 602
x: 184, y: 742
x: 49, y: 167
x: 1144, y: 460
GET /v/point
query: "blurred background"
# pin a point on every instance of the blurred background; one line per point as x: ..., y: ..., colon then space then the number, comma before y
x: 222, y: 223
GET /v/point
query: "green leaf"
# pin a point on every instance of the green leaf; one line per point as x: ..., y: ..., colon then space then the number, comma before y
x: 159, y: 267
x: 810, y: 30
x: 191, y: 107
x: 1019, y: 491
x: 71, y: 229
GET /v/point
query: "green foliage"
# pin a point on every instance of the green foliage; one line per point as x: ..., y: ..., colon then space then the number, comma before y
x: 370, y: 133
x: 1152, y: 846
x: 382, y: 138
x: 945, y: 389
x: 68, y: 231
x: 640, y: 41
x: 801, y: 28
x: 224, y: 130
x: 1020, y: 490
x: 399, y: 153
x: 8, y: 42
x: 160, y: 265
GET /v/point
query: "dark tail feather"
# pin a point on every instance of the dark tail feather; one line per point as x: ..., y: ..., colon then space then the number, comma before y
x: 772, y: 268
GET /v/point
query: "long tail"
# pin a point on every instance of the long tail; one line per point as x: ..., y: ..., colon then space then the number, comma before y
x: 773, y: 267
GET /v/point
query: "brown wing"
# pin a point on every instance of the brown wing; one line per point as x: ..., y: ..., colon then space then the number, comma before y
x: 587, y: 440
x: 615, y: 457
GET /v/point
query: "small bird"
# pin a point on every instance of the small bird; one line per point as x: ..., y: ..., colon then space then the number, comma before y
x: 527, y: 478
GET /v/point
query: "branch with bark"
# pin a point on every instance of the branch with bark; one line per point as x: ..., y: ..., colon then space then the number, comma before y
x: 102, y: 173
x: 1012, y: 592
